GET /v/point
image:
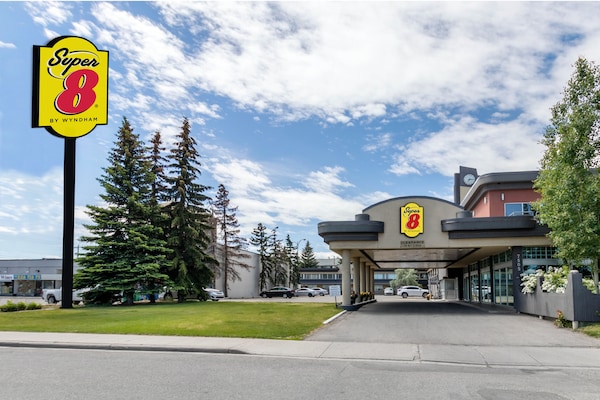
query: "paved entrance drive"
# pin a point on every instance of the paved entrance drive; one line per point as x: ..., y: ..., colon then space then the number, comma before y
x: 417, y: 321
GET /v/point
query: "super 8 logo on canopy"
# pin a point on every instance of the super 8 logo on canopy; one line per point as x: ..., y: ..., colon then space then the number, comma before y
x: 70, y: 86
x: 411, y: 220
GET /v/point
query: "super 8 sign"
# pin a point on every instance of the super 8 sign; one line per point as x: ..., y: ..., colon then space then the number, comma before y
x: 411, y: 220
x: 70, y: 86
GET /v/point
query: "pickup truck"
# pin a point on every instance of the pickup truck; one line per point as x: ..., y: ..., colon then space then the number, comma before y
x: 53, y: 296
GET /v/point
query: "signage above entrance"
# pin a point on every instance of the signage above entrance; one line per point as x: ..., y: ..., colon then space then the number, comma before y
x: 411, y: 220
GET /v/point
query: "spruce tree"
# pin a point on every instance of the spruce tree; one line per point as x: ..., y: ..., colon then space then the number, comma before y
x: 291, y: 253
x: 125, y: 250
x: 260, y: 240
x: 158, y: 166
x: 229, y: 242
x: 308, y: 259
x: 188, y: 233
x: 278, y: 260
x: 158, y: 189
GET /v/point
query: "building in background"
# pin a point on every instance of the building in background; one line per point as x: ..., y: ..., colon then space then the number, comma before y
x: 29, y: 277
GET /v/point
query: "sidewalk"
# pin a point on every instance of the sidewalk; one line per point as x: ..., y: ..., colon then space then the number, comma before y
x: 496, y: 356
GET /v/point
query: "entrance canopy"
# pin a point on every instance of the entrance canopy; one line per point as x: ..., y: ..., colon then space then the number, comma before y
x: 425, y: 233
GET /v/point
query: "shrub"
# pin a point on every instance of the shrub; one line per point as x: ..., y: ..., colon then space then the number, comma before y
x: 34, y: 306
x: 20, y: 306
x: 561, y: 321
x: 8, y: 307
x: 553, y: 281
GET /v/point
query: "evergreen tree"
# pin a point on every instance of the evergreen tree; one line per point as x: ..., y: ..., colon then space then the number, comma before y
x: 278, y: 260
x: 260, y: 240
x: 189, y: 231
x: 126, y: 250
x: 308, y: 259
x: 291, y: 252
x: 158, y: 167
x: 230, y: 243
x: 158, y: 189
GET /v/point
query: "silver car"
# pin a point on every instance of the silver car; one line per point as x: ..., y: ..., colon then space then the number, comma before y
x: 320, y: 291
x: 306, y: 292
x: 214, y: 294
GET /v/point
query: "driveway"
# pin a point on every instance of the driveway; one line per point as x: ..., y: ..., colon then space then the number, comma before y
x: 417, y: 321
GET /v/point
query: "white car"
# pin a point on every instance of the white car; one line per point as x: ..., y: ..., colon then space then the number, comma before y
x: 412, y: 291
x: 320, y: 291
x: 214, y: 294
x: 388, y: 291
x: 305, y: 292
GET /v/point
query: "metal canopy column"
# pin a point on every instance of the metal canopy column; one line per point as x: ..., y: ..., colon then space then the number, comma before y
x: 363, y: 274
x: 346, y: 287
x: 356, y: 274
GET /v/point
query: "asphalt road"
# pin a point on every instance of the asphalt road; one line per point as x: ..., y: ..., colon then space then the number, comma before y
x: 63, y: 374
x: 74, y: 373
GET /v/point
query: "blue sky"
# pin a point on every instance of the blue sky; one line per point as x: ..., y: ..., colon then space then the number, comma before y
x: 305, y: 111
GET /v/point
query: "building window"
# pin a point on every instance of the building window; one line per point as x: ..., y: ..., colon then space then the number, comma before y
x: 515, y: 209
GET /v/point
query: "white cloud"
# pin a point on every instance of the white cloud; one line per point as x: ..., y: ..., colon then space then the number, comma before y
x: 510, y: 146
x: 4, y: 45
x: 31, y: 211
x: 350, y: 60
x: 259, y: 199
x: 49, y: 12
x: 347, y: 63
x: 377, y: 142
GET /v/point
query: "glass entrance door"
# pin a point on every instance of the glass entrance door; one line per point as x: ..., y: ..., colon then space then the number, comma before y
x: 503, y: 286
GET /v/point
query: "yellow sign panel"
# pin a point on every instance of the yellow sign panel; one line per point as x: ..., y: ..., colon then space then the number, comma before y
x: 411, y: 220
x: 70, y: 86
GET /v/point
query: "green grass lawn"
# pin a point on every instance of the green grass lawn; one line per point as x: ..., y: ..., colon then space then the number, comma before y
x: 292, y: 321
x: 591, y: 330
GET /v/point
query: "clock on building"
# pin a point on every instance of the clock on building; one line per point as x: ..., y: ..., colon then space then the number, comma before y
x: 469, y: 179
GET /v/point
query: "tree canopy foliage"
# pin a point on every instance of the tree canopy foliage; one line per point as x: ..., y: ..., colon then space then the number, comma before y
x: 125, y: 250
x: 568, y: 181
x: 158, y: 226
x: 404, y: 277
x: 188, y: 232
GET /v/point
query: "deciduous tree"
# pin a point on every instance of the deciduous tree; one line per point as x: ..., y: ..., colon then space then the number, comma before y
x: 404, y: 277
x: 568, y: 181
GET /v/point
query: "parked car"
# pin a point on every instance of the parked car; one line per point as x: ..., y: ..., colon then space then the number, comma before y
x: 278, y: 291
x: 53, y: 296
x: 388, y: 291
x: 412, y: 291
x: 207, y: 293
x: 320, y: 291
x: 214, y: 294
x: 305, y: 292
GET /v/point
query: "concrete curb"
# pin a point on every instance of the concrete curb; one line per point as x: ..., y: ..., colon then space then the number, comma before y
x: 482, y: 356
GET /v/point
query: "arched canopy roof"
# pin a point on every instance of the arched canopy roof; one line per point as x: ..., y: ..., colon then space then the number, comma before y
x: 447, y: 235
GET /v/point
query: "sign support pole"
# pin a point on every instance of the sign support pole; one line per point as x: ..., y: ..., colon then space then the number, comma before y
x: 69, y: 99
x: 68, y: 223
